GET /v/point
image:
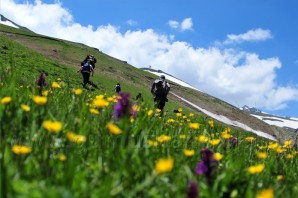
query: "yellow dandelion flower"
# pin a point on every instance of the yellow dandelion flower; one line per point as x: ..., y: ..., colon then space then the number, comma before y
x: 191, y: 114
x: 45, y: 93
x: 228, y: 130
x: 170, y: 121
x: 71, y: 136
x: 62, y: 157
x: 256, y: 169
x: 214, y: 142
x: 273, y: 145
x: 226, y: 135
x: 211, y: 123
x: 152, y: 143
x: 21, y: 150
x: 194, y: 125
x: 114, y: 129
x: 289, y: 156
x: 100, y: 102
x: 280, y: 177
x: 131, y: 119
x: 52, y: 126
x: 6, y: 100
x: 25, y: 107
x: 163, y: 138
x: 280, y: 150
x: 188, y: 153
x: 94, y: 111
x: 217, y: 156
x: 40, y: 100
x: 249, y: 139
x: 202, y: 139
x: 180, y: 109
x: 262, y: 155
x: 150, y: 112
x: 164, y: 165
x: 266, y: 193
x: 55, y: 85
x: 182, y: 136
x: 78, y: 91
x: 178, y: 114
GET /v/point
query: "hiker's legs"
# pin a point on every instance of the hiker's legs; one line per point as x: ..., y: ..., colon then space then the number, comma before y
x: 86, y: 77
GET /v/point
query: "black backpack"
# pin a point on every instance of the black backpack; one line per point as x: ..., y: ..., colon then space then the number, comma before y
x: 161, y: 87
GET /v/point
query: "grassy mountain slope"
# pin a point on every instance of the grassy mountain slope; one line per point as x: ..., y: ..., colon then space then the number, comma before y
x: 31, y: 53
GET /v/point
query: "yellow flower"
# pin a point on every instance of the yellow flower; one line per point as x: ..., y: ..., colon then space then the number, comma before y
x: 150, y: 112
x: 170, y: 121
x: 6, y: 100
x: 273, y: 145
x: 211, y: 123
x: 78, y: 91
x: 288, y: 144
x: 266, y: 193
x: 163, y: 138
x: 40, y: 100
x: 182, y: 136
x: 100, y: 102
x: 202, y: 138
x: 21, y: 150
x: 226, y: 135
x: 114, y: 129
x: 280, y: 177
x: 152, y: 143
x: 217, y: 156
x: 262, y: 155
x: 214, y: 142
x: 75, y: 138
x: 188, y: 153
x: 62, y: 157
x: 158, y: 110
x: 290, y: 156
x: 249, y: 139
x: 25, y: 107
x: 55, y: 85
x: 164, y: 165
x: 256, y: 169
x: 45, y: 93
x: 194, y: 125
x: 280, y: 150
x: 191, y: 115
x: 52, y: 126
x: 180, y: 109
x: 94, y: 111
x: 178, y: 114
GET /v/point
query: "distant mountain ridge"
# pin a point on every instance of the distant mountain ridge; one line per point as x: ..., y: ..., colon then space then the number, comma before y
x: 6, y: 21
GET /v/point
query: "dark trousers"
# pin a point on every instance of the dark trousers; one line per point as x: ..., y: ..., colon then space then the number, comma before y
x: 86, y: 77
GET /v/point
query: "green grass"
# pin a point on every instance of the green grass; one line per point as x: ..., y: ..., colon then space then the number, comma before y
x: 110, y: 165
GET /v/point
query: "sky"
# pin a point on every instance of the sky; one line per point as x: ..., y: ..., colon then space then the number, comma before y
x: 243, y: 52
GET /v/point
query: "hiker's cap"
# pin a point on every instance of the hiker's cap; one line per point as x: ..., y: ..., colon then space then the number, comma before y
x: 162, y: 77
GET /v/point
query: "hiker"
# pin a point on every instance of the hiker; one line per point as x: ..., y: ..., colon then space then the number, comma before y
x: 160, y: 89
x: 139, y: 97
x: 118, y: 88
x: 86, y: 69
x: 91, y: 59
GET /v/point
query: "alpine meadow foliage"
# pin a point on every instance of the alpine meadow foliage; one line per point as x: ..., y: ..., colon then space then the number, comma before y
x: 71, y: 142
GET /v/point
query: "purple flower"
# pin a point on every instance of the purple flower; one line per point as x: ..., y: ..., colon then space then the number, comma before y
x: 207, y: 165
x: 233, y: 141
x: 193, y: 190
x: 123, y: 106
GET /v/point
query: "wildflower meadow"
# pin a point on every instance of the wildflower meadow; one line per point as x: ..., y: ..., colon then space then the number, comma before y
x: 65, y: 141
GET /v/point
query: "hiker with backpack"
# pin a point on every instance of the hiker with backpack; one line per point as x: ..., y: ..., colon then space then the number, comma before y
x: 118, y: 88
x: 91, y: 59
x: 160, y: 89
x: 86, y: 69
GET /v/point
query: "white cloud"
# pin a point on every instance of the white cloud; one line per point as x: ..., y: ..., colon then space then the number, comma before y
x: 237, y: 77
x: 132, y: 22
x: 173, y: 24
x: 251, y: 35
x: 186, y: 24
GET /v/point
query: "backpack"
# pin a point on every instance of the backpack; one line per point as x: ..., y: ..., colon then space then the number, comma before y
x: 86, y: 67
x: 161, y: 87
x: 117, y: 88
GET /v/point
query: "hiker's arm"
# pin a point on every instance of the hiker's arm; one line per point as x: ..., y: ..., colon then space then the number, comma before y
x: 152, y: 88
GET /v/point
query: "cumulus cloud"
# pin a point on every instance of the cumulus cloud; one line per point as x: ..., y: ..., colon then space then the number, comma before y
x: 251, y: 35
x: 186, y: 24
x: 238, y: 77
x: 131, y: 22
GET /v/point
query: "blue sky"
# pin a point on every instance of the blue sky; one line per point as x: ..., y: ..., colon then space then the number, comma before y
x: 244, y: 52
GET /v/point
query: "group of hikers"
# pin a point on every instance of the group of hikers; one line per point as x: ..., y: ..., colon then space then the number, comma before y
x: 159, y: 89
